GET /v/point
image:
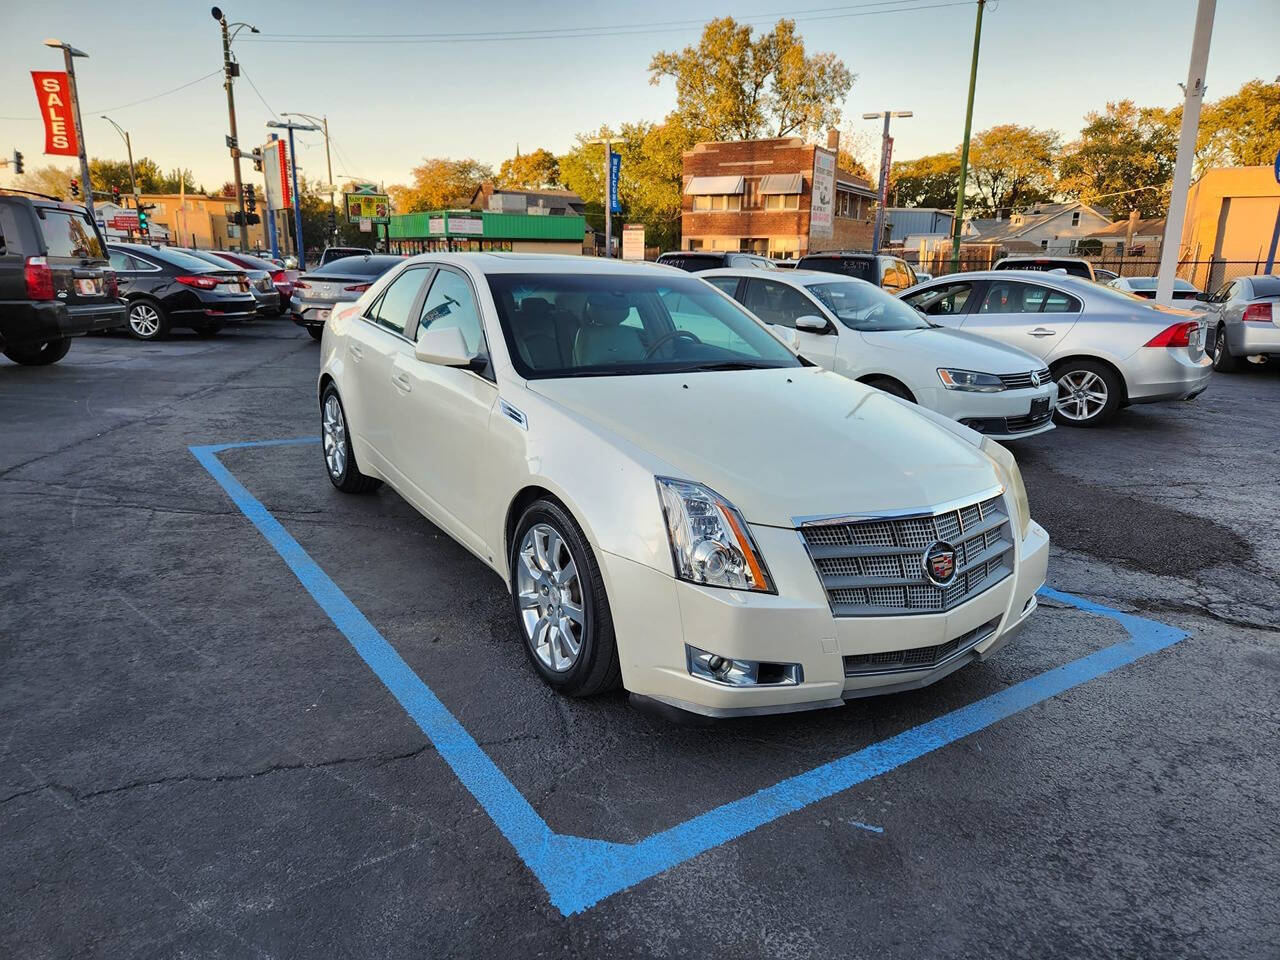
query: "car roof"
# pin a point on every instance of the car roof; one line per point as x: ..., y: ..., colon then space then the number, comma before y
x: 1029, y: 276
x: 799, y: 276
x: 844, y: 253
x: 564, y: 263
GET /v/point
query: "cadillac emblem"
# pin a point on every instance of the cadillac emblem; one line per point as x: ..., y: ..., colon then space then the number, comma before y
x: 940, y: 563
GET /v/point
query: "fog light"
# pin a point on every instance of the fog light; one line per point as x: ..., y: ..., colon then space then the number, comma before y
x: 741, y: 673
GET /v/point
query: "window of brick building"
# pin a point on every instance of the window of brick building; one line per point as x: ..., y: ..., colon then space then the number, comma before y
x: 782, y: 201
x: 751, y: 193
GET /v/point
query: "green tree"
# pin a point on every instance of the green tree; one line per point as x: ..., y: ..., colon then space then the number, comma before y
x: 440, y: 183
x: 734, y: 86
x: 529, y: 171
x: 929, y: 181
x: 51, y: 180
x: 1123, y: 159
x: 110, y: 173
x: 1242, y: 129
x: 1011, y: 167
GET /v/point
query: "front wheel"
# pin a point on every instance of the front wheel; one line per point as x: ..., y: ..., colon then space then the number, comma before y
x: 1088, y: 393
x: 339, y: 458
x: 1224, y: 361
x: 560, y: 603
x: 39, y: 354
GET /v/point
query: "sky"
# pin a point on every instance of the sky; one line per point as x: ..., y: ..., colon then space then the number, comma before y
x: 414, y: 93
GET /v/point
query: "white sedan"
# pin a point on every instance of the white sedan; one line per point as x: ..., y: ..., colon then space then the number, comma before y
x: 677, y: 503
x: 866, y: 334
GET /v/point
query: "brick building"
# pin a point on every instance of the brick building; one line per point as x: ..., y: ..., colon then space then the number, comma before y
x: 759, y: 196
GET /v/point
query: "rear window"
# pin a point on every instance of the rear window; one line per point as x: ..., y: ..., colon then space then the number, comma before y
x: 70, y: 233
x: 184, y: 261
x: 1266, y: 286
x: 1072, y: 268
x: 862, y: 268
x: 338, y: 253
x: 693, y: 262
x: 364, y: 266
x: 247, y: 262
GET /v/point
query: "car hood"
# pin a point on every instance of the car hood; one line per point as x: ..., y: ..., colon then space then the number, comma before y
x: 956, y: 349
x: 783, y: 444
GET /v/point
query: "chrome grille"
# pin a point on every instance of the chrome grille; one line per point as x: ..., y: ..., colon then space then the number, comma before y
x: 1021, y: 381
x: 875, y: 567
x: 917, y: 658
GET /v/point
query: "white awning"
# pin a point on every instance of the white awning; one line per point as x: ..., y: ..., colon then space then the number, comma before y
x: 782, y: 183
x: 707, y: 186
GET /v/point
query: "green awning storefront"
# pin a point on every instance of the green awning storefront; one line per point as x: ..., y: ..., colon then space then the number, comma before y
x: 482, y: 225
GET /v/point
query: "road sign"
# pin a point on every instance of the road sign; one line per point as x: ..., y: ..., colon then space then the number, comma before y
x: 633, y: 241
x: 123, y: 220
x: 374, y: 207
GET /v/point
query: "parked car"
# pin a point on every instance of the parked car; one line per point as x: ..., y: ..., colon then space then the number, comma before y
x: 166, y: 288
x: 281, y: 278
x: 340, y: 281
x: 1104, y: 276
x: 260, y: 284
x: 864, y: 333
x: 331, y: 254
x: 1106, y: 349
x: 1243, y: 317
x: 922, y: 275
x: 1185, y: 295
x: 578, y: 425
x: 695, y: 261
x: 1072, y: 266
x: 785, y: 264
x: 55, y: 282
x: 890, y: 273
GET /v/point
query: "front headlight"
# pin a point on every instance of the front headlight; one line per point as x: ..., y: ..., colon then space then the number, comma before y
x: 970, y: 380
x: 710, y: 542
x: 1011, y: 476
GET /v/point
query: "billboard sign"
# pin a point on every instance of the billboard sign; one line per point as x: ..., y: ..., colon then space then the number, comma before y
x: 823, y: 201
x: 472, y: 226
x: 53, y: 93
x: 275, y: 167
x: 374, y: 207
x: 633, y: 241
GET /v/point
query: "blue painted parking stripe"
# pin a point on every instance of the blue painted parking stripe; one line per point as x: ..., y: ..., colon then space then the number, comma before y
x: 578, y: 872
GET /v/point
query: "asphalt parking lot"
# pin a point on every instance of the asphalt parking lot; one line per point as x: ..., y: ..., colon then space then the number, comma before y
x: 200, y: 759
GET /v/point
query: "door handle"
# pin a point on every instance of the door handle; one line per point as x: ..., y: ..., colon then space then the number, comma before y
x: 1042, y: 332
x: 354, y: 352
x: 402, y: 382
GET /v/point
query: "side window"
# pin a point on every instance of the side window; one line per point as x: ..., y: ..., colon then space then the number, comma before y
x: 943, y: 300
x: 122, y: 261
x: 1058, y: 302
x: 1005, y: 297
x: 778, y: 303
x: 727, y: 284
x: 451, y: 303
x: 1232, y: 290
x: 392, y: 309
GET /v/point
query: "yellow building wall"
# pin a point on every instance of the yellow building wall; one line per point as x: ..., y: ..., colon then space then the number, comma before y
x: 1231, y: 213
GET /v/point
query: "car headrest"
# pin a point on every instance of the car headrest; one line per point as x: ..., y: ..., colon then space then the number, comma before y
x: 536, y: 308
x: 607, y: 309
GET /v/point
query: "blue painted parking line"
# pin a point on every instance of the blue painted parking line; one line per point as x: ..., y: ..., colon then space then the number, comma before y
x: 579, y: 872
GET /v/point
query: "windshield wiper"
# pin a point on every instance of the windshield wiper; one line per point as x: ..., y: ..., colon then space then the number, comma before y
x: 727, y: 365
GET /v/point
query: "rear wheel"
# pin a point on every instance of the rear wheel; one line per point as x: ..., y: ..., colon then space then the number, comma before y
x: 316, y: 333
x: 1224, y: 361
x: 39, y: 354
x: 147, y: 320
x: 1088, y: 393
x: 339, y: 458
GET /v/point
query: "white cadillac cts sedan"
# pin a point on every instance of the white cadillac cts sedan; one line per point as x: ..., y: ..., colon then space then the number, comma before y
x: 677, y: 503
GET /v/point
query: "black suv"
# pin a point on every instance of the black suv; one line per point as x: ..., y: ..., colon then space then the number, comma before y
x: 167, y: 288
x: 695, y: 261
x: 892, y: 273
x: 55, y: 282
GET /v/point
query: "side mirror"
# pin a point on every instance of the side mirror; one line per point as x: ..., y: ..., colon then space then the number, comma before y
x: 444, y: 346
x: 811, y: 324
x: 1202, y: 297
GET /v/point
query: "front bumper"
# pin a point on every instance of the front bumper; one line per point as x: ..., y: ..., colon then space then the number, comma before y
x: 656, y: 618
x: 1006, y: 415
x: 1158, y: 373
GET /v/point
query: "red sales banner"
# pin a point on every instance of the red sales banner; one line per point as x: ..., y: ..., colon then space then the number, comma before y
x: 54, y: 95
x: 285, y: 190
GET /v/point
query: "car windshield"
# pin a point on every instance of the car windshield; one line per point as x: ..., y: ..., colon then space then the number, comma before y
x: 362, y: 266
x: 69, y: 233
x: 612, y: 324
x: 862, y: 306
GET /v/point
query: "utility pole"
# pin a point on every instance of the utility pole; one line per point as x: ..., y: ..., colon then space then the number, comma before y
x: 1194, y: 91
x: 886, y: 157
x: 608, y: 200
x: 230, y: 70
x: 69, y: 53
x: 964, y: 149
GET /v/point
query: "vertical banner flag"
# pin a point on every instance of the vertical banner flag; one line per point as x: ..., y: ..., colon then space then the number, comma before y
x: 822, y: 205
x: 53, y: 93
x: 615, y: 171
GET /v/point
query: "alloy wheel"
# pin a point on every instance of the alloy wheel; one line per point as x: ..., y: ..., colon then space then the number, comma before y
x: 144, y: 321
x: 335, y: 437
x: 1082, y: 395
x: 551, y: 598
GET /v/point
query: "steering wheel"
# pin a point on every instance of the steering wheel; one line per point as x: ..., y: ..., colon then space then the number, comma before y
x: 666, y: 337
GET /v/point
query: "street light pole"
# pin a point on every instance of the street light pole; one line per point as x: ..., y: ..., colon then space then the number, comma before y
x: 886, y: 155
x: 964, y: 148
x: 69, y: 53
x: 133, y: 180
x: 231, y: 69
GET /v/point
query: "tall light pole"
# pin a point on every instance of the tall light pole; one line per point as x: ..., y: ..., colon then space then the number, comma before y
x: 300, y: 247
x: 230, y: 70
x: 128, y: 146
x: 964, y: 146
x: 333, y: 205
x: 608, y: 201
x: 886, y: 157
x: 69, y: 53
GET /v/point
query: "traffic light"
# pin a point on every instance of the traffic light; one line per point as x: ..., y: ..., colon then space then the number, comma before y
x: 257, y: 160
x: 115, y: 196
x: 144, y: 219
x: 17, y: 162
x: 250, y: 198
x: 253, y: 219
x: 75, y: 187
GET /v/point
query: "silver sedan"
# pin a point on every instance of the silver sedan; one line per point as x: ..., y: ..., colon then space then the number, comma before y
x: 1243, y: 317
x: 1106, y: 348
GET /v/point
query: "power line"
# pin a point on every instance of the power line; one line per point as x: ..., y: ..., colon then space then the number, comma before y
x: 244, y: 73
x: 157, y: 96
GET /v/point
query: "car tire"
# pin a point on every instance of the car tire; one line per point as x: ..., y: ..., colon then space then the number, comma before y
x: 208, y: 330
x: 1089, y: 393
x: 335, y: 444
x: 147, y: 320
x: 316, y: 333
x: 1224, y: 361
x: 890, y: 386
x: 39, y: 354
x: 576, y: 656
